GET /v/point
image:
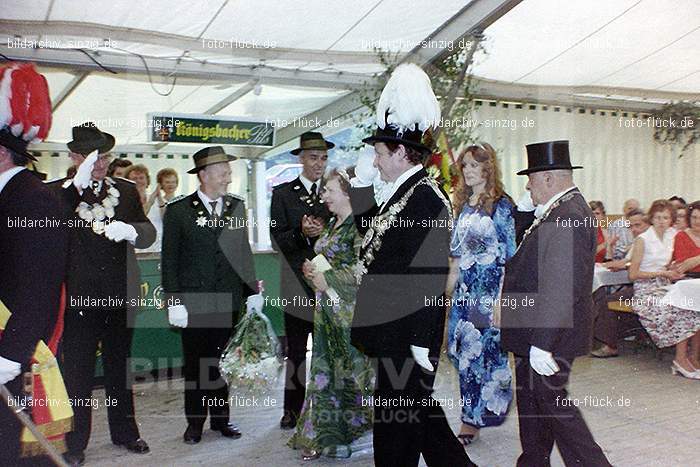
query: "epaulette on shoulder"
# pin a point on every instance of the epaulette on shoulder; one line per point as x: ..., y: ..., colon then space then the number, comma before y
x: 176, y: 199
x: 238, y: 197
x: 282, y: 185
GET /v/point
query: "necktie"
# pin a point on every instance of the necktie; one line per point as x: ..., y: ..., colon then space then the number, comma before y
x: 313, y: 190
x: 214, y: 215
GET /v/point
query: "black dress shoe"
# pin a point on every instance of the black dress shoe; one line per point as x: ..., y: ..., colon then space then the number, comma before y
x: 74, y: 458
x: 137, y: 446
x: 228, y: 431
x: 288, y: 422
x: 193, y: 435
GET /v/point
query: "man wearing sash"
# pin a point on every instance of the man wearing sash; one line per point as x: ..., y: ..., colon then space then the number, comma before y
x: 402, y: 272
x: 32, y: 249
x: 107, y: 222
x: 547, y: 310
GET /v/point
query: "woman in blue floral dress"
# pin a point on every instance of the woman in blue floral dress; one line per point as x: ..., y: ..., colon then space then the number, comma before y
x: 335, y: 411
x: 483, y: 239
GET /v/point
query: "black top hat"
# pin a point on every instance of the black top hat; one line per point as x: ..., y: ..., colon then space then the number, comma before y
x: 550, y: 155
x: 312, y: 140
x: 389, y: 134
x: 87, y: 137
x: 208, y: 156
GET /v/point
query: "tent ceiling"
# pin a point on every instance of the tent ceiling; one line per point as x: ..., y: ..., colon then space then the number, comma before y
x: 309, y: 58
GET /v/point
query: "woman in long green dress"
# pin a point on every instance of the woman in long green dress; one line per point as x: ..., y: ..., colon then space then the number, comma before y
x: 336, y: 410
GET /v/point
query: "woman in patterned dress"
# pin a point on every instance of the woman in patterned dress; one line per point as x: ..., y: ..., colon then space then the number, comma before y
x: 482, y: 241
x: 333, y: 414
x: 651, y: 255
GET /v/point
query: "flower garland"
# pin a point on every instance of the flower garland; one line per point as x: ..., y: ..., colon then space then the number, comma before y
x: 372, y: 240
x: 100, y: 214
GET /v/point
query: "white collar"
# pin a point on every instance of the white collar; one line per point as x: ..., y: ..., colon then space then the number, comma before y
x: 542, y: 208
x: 7, y: 175
x: 400, y: 181
x: 307, y: 184
x: 207, y: 200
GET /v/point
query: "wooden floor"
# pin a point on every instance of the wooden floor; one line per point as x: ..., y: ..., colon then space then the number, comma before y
x: 657, y: 424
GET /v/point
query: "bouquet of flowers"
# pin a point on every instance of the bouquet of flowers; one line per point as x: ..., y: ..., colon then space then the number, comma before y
x: 252, y: 360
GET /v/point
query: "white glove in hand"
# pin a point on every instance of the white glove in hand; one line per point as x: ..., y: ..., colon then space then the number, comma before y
x: 420, y: 355
x: 254, y: 304
x: 542, y: 361
x: 9, y: 370
x: 83, y: 175
x: 118, y: 231
x: 177, y: 316
x: 365, y: 172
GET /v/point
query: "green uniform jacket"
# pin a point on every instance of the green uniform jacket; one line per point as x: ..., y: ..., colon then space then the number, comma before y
x: 208, y: 268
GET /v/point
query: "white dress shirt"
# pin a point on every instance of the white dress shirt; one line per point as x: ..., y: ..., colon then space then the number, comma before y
x: 400, y: 181
x: 207, y: 203
x: 7, y: 175
x: 542, y: 208
x: 307, y: 184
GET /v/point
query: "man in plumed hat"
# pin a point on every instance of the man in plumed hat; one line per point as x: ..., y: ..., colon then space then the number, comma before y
x: 207, y: 268
x: 102, y: 287
x: 32, y: 259
x: 546, y: 310
x: 297, y: 218
x: 402, y: 274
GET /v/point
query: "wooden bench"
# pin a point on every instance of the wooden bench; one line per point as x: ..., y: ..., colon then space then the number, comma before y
x: 645, y: 340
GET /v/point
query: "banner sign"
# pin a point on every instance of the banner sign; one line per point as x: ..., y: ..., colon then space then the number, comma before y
x: 210, y: 129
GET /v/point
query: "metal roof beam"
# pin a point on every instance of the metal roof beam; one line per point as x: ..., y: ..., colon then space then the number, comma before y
x: 222, y: 47
x: 233, y: 97
x: 474, y: 17
x: 125, y: 63
x: 68, y: 89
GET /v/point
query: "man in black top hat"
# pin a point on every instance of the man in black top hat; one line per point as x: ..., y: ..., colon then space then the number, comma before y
x: 546, y: 310
x: 297, y: 218
x: 33, y: 251
x: 102, y: 287
x: 207, y: 268
x: 402, y: 274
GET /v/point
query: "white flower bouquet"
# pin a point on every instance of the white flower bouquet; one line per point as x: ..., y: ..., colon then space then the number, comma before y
x: 252, y: 360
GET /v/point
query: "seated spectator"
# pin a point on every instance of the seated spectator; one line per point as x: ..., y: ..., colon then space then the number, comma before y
x: 619, y: 231
x: 118, y: 167
x: 603, y: 239
x: 666, y: 325
x: 681, y: 218
x: 686, y: 246
x: 686, y: 260
x: 607, y: 323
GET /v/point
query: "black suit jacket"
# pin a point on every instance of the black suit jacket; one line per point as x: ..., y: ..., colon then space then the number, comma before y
x: 398, y: 298
x: 32, y: 263
x: 290, y: 202
x: 97, y: 266
x: 207, y: 268
x: 546, y: 300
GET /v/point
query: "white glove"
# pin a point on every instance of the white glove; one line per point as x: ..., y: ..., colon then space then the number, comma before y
x: 177, y: 316
x: 542, y: 361
x: 254, y: 304
x: 365, y: 172
x: 420, y: 355
x: 118, y: 231
x: 83, y: 175
x: 9, y: 370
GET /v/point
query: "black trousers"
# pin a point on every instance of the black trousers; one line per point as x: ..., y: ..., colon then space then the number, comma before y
x: 83, y: 330
x: 10, y: 426
x: 297, y: 332
x: 408, y: 422
x: 545, y: 416
x: 206, y: 392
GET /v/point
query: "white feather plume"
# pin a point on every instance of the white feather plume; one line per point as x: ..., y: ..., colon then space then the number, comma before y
x: 410, y: 100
